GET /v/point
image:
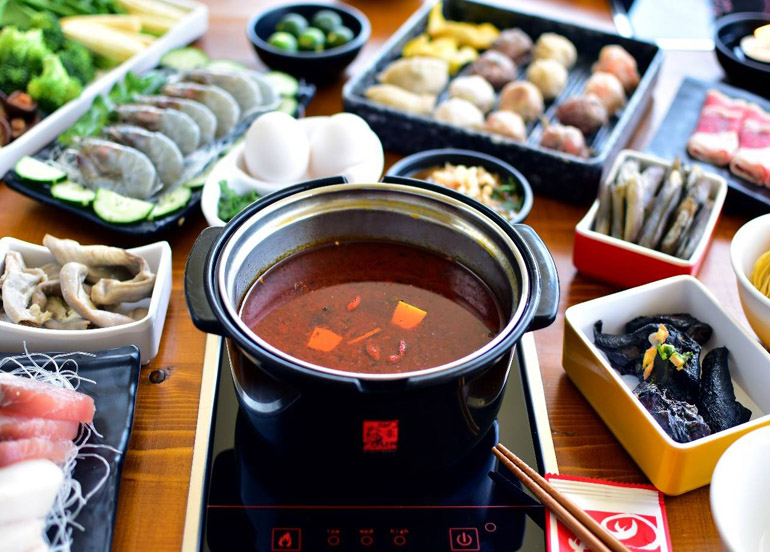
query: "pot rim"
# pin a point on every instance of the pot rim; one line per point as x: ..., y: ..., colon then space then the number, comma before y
x: 256, y: 347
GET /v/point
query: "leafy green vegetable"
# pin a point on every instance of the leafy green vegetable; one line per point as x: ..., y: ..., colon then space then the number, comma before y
x: 133, y: 85
x: 90, y: 123
x: 231, y: 203
x: 509, y: 195
x: 21, y: 57
x: 54, y: 86
x: 78, y: 61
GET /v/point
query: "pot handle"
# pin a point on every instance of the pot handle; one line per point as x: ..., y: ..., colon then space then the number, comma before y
x: 197, y: 302
x: 548, y: 303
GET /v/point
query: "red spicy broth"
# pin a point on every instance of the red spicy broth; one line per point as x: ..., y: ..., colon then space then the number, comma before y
x: 372, y: 307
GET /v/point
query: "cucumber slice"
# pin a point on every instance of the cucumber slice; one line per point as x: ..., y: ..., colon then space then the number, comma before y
x: 200, y: 179
x: 30, y: 168
x: 184, y: 59
x: 288, y: 105
x: 286, y: 85
x: 119, y: 209
x: 74, y: 193
x: 170, y: 202
x: 226, y: 65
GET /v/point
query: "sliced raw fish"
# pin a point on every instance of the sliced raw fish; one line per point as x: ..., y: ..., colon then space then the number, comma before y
x: 22, y: 536
x: 28, y: 489
x: 23, y: 427
x: 27, y: 397
x: 35, y: 448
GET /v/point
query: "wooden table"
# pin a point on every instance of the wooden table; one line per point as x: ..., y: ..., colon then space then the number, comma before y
x: 156, y: 475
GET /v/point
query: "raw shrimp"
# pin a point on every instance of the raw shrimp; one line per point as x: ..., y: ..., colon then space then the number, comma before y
x: 174, y: 124
x: 219, y: 101
x: 163, y: 153
x: 202, y: 115
x: 242, y: 87
x: 105, y: 164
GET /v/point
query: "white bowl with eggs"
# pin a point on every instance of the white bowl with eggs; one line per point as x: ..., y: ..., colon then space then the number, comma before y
x: 749, y: 243
x: 280, y: 150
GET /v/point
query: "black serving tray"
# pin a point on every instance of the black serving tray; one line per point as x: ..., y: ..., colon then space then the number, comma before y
x: 678, y: 125
x: 116, y: 375
x: 567, y: 177
x: 146, y: 229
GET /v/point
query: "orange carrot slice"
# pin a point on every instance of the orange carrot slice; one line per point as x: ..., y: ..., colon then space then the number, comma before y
x: 323, y: 340
x: 407, y: 316
x: 375, y: 331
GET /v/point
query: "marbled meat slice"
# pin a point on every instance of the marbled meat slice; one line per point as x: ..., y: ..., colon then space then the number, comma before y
x: 27, y: 397
x: 24, y: 427
x: 752, y: 162
x: 715, y: 139
x: 35, y: 448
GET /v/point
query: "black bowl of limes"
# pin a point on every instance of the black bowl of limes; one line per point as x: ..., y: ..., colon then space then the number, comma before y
x: 315, y: 41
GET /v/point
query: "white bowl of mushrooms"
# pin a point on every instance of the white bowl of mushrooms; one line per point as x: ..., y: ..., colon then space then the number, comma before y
x: 63, y: 296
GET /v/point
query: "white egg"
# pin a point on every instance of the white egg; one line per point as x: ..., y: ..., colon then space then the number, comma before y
x: 277, y: 148
x: 341, y: 142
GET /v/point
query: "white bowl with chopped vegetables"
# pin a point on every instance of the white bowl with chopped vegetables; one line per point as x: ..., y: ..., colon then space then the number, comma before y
x: 285, y: 151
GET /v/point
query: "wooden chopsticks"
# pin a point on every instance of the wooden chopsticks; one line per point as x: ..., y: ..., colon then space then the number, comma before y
x: 587, y: 529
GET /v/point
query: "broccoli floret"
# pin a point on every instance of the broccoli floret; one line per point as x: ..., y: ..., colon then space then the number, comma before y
x: 53, y: 36
x: 54, y: 87
x: 21, y: 57
x: 78, y: 61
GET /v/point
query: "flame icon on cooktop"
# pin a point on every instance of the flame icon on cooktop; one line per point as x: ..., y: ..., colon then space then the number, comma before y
x: 286, y: 539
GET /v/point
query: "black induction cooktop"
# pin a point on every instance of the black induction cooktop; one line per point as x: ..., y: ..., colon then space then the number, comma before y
x: 251, y: 499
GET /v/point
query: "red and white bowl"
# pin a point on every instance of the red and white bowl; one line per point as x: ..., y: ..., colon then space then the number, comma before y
x: 627, y: 264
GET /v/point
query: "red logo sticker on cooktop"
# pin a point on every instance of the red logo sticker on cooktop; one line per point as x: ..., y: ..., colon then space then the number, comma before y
x: 380, y: 435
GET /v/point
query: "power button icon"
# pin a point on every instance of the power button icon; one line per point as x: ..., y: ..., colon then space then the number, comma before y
x: 464, y: 539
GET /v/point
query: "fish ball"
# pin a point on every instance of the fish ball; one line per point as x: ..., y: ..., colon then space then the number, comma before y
x: 567, y: 139
x: 614, y: 59
x: 457, y: 111
x: 608, y: 89
x: 555, y: 47
x: 524, y: 98
x: 475, y: 89
x: 514, y: 43
x: 508, y: 124
x: 498, y: 69
x: 549, y: 76
x: 584, y: 112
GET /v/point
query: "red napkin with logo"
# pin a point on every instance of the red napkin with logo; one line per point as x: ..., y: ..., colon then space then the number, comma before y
x: 635, y: 514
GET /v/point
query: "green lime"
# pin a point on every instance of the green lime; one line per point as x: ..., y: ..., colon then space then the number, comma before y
x: 311, y: 40
x: 339, y: 37
x: 284, y: 41
x: 292, y: 23
x: 327, y: 20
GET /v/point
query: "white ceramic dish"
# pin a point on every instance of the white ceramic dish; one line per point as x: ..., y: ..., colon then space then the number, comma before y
x: 144, y: 333
x: 192, y: 26
x: 232, y: 169
x: 749, y: 243
x: 671, y: 466
x: 739, y: 494
x: 633, y: 264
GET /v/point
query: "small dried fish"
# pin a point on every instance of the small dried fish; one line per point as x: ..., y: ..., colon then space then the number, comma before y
x: 618, y: 209
x: 669, y: 192
x: 604, y: 214
x: 688, y: 245
x: 697, y: 193
x: 652, y: 176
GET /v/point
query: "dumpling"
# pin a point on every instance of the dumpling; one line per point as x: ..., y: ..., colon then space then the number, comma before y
x: 608, y: 89
x: 421, y: 75
x: 524, y: 98
x: 514, y: 43
x: 555, y: 47
x: 388, y: 94
x: 616, y: 60
x: 498, y: 69
x: 475, y: 89
x: 508, y: 124
x: 457, y: 111
x: 549, y: 76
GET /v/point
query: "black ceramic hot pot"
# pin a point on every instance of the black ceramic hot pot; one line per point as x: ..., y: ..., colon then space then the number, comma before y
x: 409, y: 421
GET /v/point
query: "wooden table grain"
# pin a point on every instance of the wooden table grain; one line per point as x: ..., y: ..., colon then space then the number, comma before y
x: 154, y: 487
